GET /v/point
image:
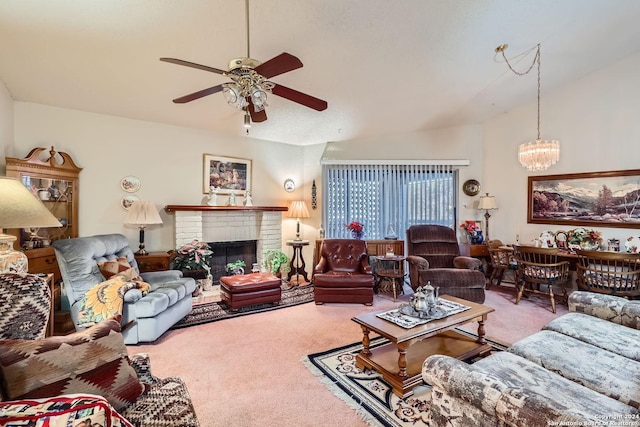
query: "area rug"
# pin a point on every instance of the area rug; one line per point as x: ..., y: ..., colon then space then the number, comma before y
x: 366, y: 391
x: 214, y: 311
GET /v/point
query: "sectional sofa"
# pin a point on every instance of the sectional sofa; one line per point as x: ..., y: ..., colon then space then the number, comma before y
x: 582, y: 369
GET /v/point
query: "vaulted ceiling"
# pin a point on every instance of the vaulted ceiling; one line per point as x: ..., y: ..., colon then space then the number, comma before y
x: 384, y: 67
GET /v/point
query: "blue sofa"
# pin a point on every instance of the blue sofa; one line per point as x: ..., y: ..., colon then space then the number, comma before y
x: 168, y: 301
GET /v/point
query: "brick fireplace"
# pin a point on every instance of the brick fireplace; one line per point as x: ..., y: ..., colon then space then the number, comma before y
x: 229, y: 224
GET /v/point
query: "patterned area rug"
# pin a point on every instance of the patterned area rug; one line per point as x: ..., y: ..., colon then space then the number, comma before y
x: 366, y: 391
x: 214, y: 311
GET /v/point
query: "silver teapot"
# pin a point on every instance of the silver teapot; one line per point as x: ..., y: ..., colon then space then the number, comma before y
x: 425, y: 299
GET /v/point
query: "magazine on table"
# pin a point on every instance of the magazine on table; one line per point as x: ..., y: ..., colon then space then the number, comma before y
x: 406, y: 317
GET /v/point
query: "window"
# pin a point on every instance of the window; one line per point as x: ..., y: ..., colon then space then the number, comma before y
x: 382, y: 195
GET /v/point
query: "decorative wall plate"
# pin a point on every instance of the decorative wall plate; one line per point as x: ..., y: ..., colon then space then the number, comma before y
x: 127, y: 201
x: 632, y: 244
x: 130, y: 184
x: 289, y: 185
x: 471, y: 187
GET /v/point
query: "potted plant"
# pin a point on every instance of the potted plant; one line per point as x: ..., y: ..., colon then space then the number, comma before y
x: 236, y: 267
x: 275, y: 261
x: 193, y: 259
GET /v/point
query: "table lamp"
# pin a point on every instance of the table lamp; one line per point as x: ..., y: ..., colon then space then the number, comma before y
x: 19, y: 208
x: 298, y: 209
x: 487, y: 203
x: 142, y: 213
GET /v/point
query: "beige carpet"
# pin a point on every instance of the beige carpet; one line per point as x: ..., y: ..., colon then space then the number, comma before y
x: 246, y: 371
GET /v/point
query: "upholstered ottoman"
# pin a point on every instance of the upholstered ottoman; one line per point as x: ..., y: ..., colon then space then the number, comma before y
x: 242, y: 290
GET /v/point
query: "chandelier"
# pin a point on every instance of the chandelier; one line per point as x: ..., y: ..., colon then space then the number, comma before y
x: 540, y: 154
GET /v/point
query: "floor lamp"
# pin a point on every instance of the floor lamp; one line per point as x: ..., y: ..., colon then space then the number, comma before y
x: 142, y: 213
x: 19, y: 208
x: 487, y: 203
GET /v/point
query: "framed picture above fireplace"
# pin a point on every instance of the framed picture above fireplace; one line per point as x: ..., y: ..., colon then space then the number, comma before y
x: 226, y: 174
x: 604, y: 199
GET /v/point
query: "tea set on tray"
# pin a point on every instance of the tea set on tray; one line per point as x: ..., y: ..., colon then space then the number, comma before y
x: 423, y: 304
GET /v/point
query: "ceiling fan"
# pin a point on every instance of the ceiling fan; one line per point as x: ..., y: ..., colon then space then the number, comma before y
x: 250, y: 83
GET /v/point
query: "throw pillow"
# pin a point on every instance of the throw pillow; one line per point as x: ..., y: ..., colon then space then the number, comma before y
x: 93, y: 361
x: 76, y: 410
x: 119, y: 266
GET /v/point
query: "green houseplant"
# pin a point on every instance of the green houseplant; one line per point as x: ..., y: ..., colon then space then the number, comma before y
x: 194, y: 257
x: 236, y: 267
x: 275, y: 261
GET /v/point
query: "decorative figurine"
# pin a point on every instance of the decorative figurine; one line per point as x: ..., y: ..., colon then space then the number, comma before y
x: 247, y: 199
x: 213, y: 196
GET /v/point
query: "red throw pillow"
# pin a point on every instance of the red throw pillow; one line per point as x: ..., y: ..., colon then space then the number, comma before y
x: 93, y: 361
x: 119, y: 266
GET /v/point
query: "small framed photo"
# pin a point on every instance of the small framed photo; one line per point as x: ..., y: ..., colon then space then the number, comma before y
x: 226, y: 174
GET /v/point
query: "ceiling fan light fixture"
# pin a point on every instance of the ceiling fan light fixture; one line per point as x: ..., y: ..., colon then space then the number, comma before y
x: 232, y: 94
x: 247, y: 119
x: 259, y: 98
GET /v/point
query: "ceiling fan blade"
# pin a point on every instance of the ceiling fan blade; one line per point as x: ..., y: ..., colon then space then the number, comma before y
x: 256, y: 116
x: 299, y: 97
x: 194, y: 65
x: 197, y: 95
x: 280, y: 64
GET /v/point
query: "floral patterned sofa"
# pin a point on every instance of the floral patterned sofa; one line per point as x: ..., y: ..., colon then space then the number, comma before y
x: 583, y: 368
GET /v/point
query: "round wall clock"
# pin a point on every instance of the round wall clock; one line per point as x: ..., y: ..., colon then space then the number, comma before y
x: 471, y: 187
x: 289, y: 185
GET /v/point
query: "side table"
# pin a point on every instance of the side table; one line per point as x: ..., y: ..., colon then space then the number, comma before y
x: 390, y: 268
x: 154, y: 261
x: 297, y: 265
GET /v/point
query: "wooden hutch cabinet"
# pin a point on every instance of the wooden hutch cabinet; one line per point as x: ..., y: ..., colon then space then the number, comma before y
x: 53, y: 178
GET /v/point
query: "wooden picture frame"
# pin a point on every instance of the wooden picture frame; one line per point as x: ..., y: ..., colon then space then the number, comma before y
x: 227, y: 174
x: 596, y: 199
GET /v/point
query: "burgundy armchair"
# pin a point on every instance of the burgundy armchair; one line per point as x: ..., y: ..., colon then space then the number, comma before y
x: 343, y: 273
x: 433, y: 255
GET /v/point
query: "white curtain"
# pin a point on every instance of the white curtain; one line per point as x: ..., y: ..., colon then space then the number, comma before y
x: 380, y: 196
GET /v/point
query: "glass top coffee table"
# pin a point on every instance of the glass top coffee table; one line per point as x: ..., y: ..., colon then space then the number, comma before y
x: 400, y: 361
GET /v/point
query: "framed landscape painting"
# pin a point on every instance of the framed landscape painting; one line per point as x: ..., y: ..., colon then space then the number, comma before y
x: 226, y: 174
x: 604, y: 199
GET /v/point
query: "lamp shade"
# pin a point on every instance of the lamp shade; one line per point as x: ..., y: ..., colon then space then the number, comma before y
x: 298, y: 209
x: 19, y: 208
x: 487, y: 202
x: 142, y: 212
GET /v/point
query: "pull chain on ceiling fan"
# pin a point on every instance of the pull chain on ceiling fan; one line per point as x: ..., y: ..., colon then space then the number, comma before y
x: 250, y: 83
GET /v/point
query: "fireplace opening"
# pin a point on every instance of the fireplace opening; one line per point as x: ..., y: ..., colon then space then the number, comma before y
x: 226, y: 252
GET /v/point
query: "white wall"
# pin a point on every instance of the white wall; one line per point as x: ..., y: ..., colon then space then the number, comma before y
x: 168, y: 160
x: 6, y: 126
x: 596, y: 120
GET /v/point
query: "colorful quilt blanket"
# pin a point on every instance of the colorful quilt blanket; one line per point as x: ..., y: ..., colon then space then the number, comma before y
x: 105, y: 299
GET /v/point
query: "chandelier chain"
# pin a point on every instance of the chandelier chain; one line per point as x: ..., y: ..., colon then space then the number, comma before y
x: 539, y: 154
x: 536, y: 61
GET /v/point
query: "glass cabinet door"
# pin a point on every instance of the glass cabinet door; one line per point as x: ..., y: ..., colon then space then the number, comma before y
x: 57, y: 195
x: 54, y: 180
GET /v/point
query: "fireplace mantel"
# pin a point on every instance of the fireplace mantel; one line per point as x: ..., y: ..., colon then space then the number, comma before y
x: 176, y: 208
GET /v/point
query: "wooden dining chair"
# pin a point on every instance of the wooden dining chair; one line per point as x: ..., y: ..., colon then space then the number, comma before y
x: 612, y: 273
x: 502, y: 261
x: 539, y: 270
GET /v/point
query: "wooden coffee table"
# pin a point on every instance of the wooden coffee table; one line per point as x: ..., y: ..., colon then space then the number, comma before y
x: 400, y: 361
